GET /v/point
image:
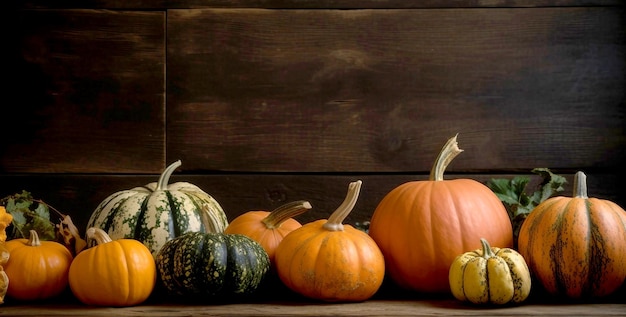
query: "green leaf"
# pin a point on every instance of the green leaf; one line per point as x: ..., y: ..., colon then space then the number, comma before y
x: 28, y: 214
x: 512, y: 192
x: 551, y: 183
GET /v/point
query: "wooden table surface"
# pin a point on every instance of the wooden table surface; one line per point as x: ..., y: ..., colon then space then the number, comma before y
x: 368, y: 308
x: 279, y: 302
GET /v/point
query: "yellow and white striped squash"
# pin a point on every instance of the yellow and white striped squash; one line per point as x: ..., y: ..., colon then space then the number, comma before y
x: 490, y: 276
x: 158, y: 212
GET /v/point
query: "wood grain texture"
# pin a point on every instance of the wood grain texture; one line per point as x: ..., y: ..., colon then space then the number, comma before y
x: 364, y: 309
x: 88, y: 88
x: 287, y: 304
x: 306, y: 4
x: 381, y: 90
x: 79, y: 195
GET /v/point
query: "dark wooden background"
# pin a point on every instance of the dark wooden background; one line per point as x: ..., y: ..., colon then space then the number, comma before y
x: 267, y: 102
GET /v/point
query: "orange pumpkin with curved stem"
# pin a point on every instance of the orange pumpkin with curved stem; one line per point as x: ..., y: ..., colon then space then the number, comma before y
x: 330, y: 261
x: 421, y: 226
x: 268, y: 228
x: 576, y: 246
x: 36, y: 269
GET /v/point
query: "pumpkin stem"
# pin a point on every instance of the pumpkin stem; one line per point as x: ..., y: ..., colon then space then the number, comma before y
x: 99, y: 235
x: 580, y: 185
x: 33, y: 240
x: 449, y: 151
x: 167, y: 173
x: 284, y: 212
x: 487, y: 252
x: 334, y: 222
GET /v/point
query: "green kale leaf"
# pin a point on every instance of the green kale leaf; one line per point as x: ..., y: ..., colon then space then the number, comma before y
x: 518, y: 203
x: 28, y: 214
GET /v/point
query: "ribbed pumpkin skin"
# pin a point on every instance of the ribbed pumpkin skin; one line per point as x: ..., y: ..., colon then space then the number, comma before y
x: 421, y: 226
x: 212, y: 264
x: 251, y: 224
x: 36, y: 271
x: 330, y: 261
x: 155, y: 216
x: 490, y: 276
x: 576, y: 247
x: 344, y: 266
x: 116, y: 273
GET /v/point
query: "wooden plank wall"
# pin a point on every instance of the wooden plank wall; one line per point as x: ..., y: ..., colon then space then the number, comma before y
x: 266, y: 105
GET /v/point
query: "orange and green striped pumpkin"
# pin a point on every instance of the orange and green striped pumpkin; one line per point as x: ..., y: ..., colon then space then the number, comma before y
x: 576, y: 246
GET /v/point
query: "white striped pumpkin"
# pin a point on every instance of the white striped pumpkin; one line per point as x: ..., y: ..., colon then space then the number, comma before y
x: 158, y: 212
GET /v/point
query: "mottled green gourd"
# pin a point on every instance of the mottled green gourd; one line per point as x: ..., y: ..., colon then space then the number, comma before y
x: 158, y: 212
x: 212, y: 264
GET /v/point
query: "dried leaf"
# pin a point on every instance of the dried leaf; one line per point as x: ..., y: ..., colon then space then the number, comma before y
x: 69, y: 234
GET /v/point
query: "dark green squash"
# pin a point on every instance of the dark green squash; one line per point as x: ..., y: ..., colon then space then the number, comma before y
x: 199, y: 263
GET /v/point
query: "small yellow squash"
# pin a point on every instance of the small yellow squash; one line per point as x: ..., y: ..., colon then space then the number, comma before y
x: 490, y: 276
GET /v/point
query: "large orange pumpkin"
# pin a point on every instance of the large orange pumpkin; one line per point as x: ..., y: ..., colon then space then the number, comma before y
x: 576, y: 246
x: 421, y: 226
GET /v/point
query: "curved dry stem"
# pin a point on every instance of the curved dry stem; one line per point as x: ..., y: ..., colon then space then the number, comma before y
x: 99, y: 235
x: 449, y: 151
x: 487, y: 252
x: 284, y: 212
x: 167, y: 173
x: 33, y: 239
x: 334, y: 222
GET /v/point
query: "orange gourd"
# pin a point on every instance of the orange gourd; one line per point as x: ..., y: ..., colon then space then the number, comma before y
x: 113, y: 272
x: 329, y: 261
x: 36, y: 269
x: 4, y: 279
x: 576, y: 246
x: 268, y: 228
x: 5, y: 220
x: 421, y: 226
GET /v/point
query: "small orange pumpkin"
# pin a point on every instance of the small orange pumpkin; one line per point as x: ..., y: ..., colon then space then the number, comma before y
x: 330, y: 261
x: 269, y: 228
x: 576, y: 246
x: 421, y: 226
x: 113, y: 272
x: 36, y: 269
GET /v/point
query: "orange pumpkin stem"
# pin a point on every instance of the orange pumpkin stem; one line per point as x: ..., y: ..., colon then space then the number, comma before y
x: 167, y: 173
x: 580, y: 185
x: 284, y: 212
x: 449, y: 151
x: 487, y: 252
x: 33, y: 239
x: 334, y: 222
x: 99, y: 235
